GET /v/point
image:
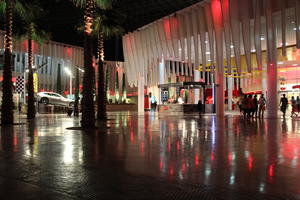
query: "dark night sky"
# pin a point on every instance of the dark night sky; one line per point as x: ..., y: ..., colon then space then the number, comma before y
x: 60, y: 17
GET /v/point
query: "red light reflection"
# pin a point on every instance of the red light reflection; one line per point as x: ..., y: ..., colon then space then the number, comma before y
x: 196, y: 160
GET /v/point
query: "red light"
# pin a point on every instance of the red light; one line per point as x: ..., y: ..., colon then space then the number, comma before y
x: 183, y: 167
x: 250, y: 162
x: 271, y: 172
x: 171, y: 171
x: 167, y: 29
x: 197, y: 160
x: 212, y: 157
x: 131, y: 136
x: 178, y: 146
x: 161, y: 165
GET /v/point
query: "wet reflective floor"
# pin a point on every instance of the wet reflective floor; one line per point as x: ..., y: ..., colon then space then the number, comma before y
x: 151, y: 156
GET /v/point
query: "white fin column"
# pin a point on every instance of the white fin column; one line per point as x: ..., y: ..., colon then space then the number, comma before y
x: 257, y: 33
x: 236, y: 32
x: 245, y: 18
x: 226, y: 20
x: 272, y: 101
x: 219, y: 74
x: 210, y: 31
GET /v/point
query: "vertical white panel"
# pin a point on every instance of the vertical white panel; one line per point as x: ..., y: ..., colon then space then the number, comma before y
x: 182, y: 35
x: 153, y: 42
x: 188, y: 36
x: 174, y: 35
x: 236, y: 31
x: 257, y: 33
x: 141, y: 94
x: 177, y: 68
x: 272, y: 91
x: 297, y: 17
x: 219, y: 74
x: 283, y: 26
x: 202, y: 30
x: 226, y: 20
x: 245, y: 17
x: 195, y: 31
x: 134, y: 54
x: 139, y: 53
x: 167, y: 30
x: 209, y: 22
x: 161, y: 31
x: 157, y: 40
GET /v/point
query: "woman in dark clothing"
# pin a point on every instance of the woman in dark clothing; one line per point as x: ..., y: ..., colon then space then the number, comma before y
x: 255, y: 102
x: 283, y: 104
x: 199, y: 107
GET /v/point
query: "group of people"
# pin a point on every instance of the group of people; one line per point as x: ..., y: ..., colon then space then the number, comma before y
x: 252, y: 107
x: 295, y: 103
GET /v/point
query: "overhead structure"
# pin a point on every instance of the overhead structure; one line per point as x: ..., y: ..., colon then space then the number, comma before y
x: 217, y: 35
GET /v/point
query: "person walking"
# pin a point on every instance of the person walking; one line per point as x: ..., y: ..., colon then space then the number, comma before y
x: 298, y: 104
x: 200, y: 108
x: 255, y: 102
x: 240, y: 104
x: 283, y: 104
x: 251, y: 106
x: 294, y: 107
x: 262, y: 106
x: 245, y: 105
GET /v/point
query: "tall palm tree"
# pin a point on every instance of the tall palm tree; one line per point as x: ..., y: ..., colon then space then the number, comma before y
x: 31, y: 33
x: 88, y: 112
x: 107, y: 24
x: 8, y: 7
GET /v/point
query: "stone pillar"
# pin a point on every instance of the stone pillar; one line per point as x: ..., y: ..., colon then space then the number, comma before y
x: 162, y: 77
x: 230, y: 88
x: 219, y: 92
x: 197, y: 91
x: 264, y: 81
x: 141, y: 98
x: 272, y: 93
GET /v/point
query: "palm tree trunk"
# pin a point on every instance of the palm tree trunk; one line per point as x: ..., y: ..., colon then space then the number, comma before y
x: 101, y: 106
x: 7, y: 115
x: 30, y: 105
x: 77, y: 85
x: 88, y: 112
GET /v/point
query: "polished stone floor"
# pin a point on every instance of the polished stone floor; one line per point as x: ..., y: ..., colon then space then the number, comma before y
x: 151, y: 156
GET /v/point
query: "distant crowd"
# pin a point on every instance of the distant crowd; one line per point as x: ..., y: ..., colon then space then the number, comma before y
x: 252, y: 107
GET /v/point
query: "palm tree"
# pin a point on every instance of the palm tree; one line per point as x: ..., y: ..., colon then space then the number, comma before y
x: 107, y: 24
x: 31, y: 33
x: 88, y: 112
x: 8, y: 7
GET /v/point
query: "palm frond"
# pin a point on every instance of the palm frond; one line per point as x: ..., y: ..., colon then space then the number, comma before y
x: 2, y: 7
x: 104, y: 4
x: 20, y: 10
x: 79, y: 3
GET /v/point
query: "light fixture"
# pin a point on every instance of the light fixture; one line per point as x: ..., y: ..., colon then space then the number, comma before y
x: 262, y: 38
x: 231, y: 46
x: 207, y: 53
x: 68, y: 71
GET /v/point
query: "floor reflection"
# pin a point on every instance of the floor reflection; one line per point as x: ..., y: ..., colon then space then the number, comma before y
x: 261, y: 156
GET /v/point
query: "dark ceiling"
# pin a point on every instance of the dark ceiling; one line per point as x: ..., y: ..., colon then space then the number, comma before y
x: 142, y: 12
x: 60, y: 18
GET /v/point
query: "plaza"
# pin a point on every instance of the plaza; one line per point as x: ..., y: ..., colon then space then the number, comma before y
x: 151, y: 156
